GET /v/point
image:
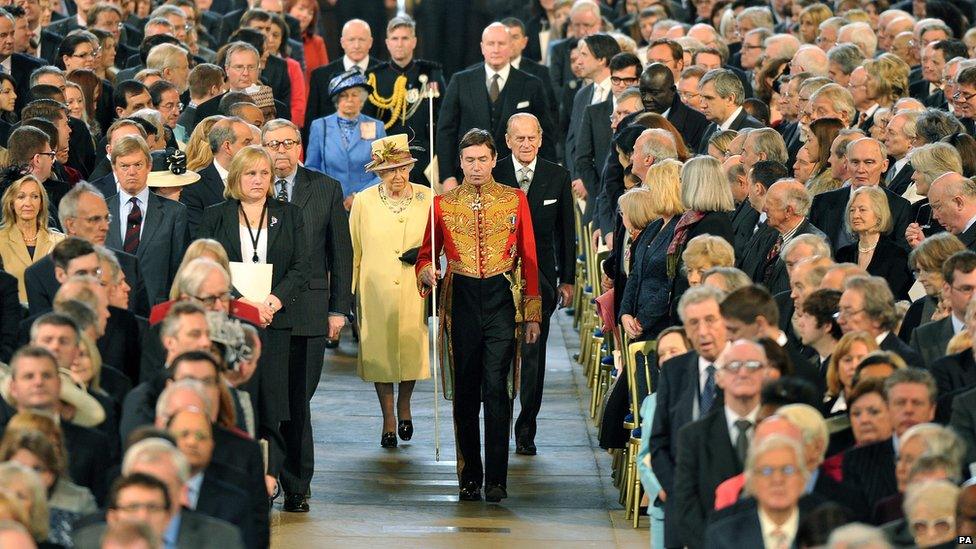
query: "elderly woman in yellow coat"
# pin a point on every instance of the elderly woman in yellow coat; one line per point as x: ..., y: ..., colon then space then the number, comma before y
x: 387, y: 224
x: 24, y: 235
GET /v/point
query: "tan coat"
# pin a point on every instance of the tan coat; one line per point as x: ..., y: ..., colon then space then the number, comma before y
x: 14, y: 254
x: 393, y: 344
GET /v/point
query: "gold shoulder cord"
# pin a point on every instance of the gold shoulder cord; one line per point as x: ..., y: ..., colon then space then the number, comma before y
x: 396, y: 103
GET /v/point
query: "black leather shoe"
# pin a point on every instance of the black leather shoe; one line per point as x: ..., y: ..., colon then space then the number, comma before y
x: 389, y: 440
x: 405, y: 429
x: 525, y: 449
x: 295, y: 503
x: 470, y: 492
x: 495, y: 493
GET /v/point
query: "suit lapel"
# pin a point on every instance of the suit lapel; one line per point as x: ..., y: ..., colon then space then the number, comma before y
x: 275, y: 213
x: 302, y: 189
x: 722, y: 443
x: 18, y: 247
x: 113, y: 240
x: 232, y: 233
x: 154, y: 218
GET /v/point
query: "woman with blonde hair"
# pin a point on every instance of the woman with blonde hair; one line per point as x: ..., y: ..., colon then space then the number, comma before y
x: 201, y: 247
x: 869, y: 219
x: 929, y: 162
x: 887, y: 78
x: 705, y: 252
x: 718, y: 144
x: 810, y: 19
x: 649, y: 214
x: 848, y: 353
x: 26, y: 486
x: 198, y: 153
x: 24, y: 235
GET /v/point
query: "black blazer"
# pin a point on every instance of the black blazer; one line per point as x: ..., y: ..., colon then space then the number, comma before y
x: 542, y: 73
x: 871, y: 470
x: 466, y: 106
x: 582, y: 100
x: 202, y: 194
x: 969, y: 237
x: 715, y: 224
x: 21, y: 67
x: 902, y: 179
x: 954, y: 374
x: 559, y: 65
x: 225, y: 501
x: 89, y: 459
x: 211, y: 107
x: 41, y: 285
x: 592, y: 146
x: 963, y: 421
x: 81, y: 147
x: 755, y: 250
x: 892, y: 343
x: 237, y: 460
x: 889, y: 261
x: 286, y: 247
x: 692, y: 124
x: 120, y: 346
x: 328, y: 249
x: 778, y: 280
x: 744, y: 219
x: 319, y: 103
x: 829, y: 210
x: 744, y: 120
x: 930, y: 340
x: 102, y: 168
x: 737, y: 530
x: 706, y: 458
x: 922, y: 214
x: 551, y: 205
x: 11, y: 312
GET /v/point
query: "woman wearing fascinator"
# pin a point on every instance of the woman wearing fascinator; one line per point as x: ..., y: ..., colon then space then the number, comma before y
x: 169, y: 174
x: 387, y: 225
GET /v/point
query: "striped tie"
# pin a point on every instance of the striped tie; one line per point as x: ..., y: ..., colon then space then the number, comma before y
x: 132, y: 225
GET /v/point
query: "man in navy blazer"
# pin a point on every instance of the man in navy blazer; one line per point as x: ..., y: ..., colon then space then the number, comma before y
x: 468, y: 103
x: 551, y: 204
x: 143, y: 224
x: 226, y: 138
x: 686, y: 391
x: 722, y: 95
x: 595, y: 53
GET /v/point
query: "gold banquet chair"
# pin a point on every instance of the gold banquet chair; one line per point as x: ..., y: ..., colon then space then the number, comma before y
x: 632, y: 483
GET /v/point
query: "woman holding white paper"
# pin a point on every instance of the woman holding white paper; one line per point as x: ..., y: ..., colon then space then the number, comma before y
x: 255, y: 229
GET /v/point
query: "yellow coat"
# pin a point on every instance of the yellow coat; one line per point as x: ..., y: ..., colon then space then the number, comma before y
x: 393, y: 343
x: 14, y: 254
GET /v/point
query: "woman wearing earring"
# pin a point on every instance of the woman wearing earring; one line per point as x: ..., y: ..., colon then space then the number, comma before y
x: 387, y: 225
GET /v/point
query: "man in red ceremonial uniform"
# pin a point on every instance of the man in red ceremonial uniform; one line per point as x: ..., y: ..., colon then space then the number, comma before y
x: 492, y: 282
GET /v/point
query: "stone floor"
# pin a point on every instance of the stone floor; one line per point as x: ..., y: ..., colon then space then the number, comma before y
x: 363, y: 494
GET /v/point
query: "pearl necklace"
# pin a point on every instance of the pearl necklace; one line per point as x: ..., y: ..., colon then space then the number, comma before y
x: 395, y: 205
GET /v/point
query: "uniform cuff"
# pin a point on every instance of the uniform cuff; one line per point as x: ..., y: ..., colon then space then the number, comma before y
x: 531, y: 308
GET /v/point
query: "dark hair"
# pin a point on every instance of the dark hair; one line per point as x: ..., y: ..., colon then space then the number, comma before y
x: 758, y: 109
x: 825, y: 130
x: 677, y: 52
x: 140, y: 480
x: 748, y: 303
x: 232, y: 98
x: 203, y: 77
x: 194, y: 356
x: 36, y: 351
x: 776, y: 356
x: 143, y: 432
x: 821, y: 305
x: 278, y: 20
x: 150, y: 42
x: 602, y: 46
x: 126, y: 88
x: 25, y: 142
x: 45, y: 91
x: 815, y: 528
x: 514, y: 22
x: 70, y: 248
x: 966, y: 145
x: 951, y: 48
x: 864, y: 387
x: 157, y: 90
x: 48, y: 109
x: 475, y: 137
x: 789, y: 390
x: 627, y: 137
x: 89, y: 83
x: 68, y: 47
x: 935, y: 124
x: 9, y: 116
x: 148, y: 127
x: 15, y: 11
x: 254, y: 14
x: 625, y: 59
x: 49, y: 129
x: 964, y: 262
x: 247, y: 35
x: 767, y: 172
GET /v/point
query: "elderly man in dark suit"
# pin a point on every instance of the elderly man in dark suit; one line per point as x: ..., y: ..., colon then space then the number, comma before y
x: 225, y: 138
x: 867, y: 305
x: 356, y: 41
x: 722, y: 95
x: 595, y: 52
x: 786, y: 206
x: 547, y: 188
x: 867, y: 160
x: 930, y: 339
x: 714, y: 448
x: 485, y: 96
x: 17, y: 65
x: 584, y: 19
x: 329, y: 252
x: 143, y: 224
x: 530, y: 65
x: 686, y: 391
x: 957, y: 196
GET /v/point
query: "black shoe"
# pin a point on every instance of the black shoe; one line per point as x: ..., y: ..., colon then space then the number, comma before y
x: 525, y: 449
x: 470, y: 492
x: 405, y: 429
x: 495, y: 493
x: 331, y: 343
x: 295, y: 503
x: 389, y: 440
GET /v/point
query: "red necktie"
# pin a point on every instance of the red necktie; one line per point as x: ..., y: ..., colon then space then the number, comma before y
x: 132, y: 225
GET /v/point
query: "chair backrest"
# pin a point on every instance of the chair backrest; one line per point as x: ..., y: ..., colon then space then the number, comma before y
x: 635, y: 350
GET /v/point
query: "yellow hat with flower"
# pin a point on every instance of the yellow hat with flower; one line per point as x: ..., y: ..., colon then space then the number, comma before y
x: 390, y: 152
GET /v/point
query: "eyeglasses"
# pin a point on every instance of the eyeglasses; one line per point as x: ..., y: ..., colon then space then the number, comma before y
x: 617, y: 80
x: 966, y: 97
x: 52, y: 154
x: 243, y: 68
x: 136, y: 507
x: 963, y: 289
x: 210, y: 300
x: 171, y: 106
x: 276, y: 145
x: 750, y: 366
x: 98, y: 219
x: 847, y: 313
x: 940, y: 525
x: 89, y: 55
x: 768, y: 471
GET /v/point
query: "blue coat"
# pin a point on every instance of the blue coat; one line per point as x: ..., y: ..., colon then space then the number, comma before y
x: 648, y: 287
x: 346, y: 163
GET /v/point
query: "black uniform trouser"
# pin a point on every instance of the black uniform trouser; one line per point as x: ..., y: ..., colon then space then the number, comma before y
x: 483, y: 340
x: 534, y: 372
x: 307, y: 355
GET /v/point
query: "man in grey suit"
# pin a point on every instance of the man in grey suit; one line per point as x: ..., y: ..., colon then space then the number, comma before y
x: 595, y: 53
x: 930, y: 339
x: 143, y: 224
x: 330, y: 257
x: 154, y: 475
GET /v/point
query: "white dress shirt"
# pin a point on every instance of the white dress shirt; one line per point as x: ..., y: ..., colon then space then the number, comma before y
x: 728, y: 121
x: 349, y: 63
x: 601, y: 90
x: 518, y: 166
x: 142, y: 198
x: 221, y: 172
x: 788, y: 528
x: 502, y: 76
x: 731, y: 417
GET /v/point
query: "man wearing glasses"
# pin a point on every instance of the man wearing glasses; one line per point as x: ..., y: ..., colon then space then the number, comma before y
x: 867, y: 305
x: 330, y: 260
x: 930, y: 339
x: 953, y: 201
x: 714, y: 448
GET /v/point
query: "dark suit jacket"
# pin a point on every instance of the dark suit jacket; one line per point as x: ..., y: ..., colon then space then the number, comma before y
x: 871, y: 470
x: 559, y: 64
x: 161, y: 246
x: 706, y: 458
x: 225, y: 501
x: 120, y: 345
x: 202, y: 194
x: 969, y: 237
x: 743, y: 120
x: 11, y: 312
x: 744, y: 219
x: 81, y: 147
x: 963, y: 421
x: 541, y: 72
x: 889, y: 261
x: 754, y: 253
x: 830, y: 208
x: 690, y: 123
x: 930, y: 339
x: 196, y: 530
x: 891, y: 342
x: 286, y: 248
x: 89, y: 458
x: 592, y: 146
x: 954, y: 374
x: 319, y: 103
x: 102, y: 168
x: 21, y: 67
x: 919, y: 89
x: 211, y: 107
x: 41, y: 285
x: 329, y: 252
x: 551, y: 205
x: 778, y: 280
x: 581, y: 101
x: 735, y: 531
x: 466, y: 105
x: 107, y: 185
x: 902, y: 179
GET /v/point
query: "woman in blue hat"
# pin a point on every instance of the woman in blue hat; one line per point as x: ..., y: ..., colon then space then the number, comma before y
x: 339, y: 144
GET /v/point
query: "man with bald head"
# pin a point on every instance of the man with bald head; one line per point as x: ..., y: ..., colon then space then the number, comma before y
x: 809, y: 59
x: 547, y: 187
x: 953, y: 200
x: 356, y: 40
x: 659, y: 94
x: 486, y: 96
x: 867, y: 161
